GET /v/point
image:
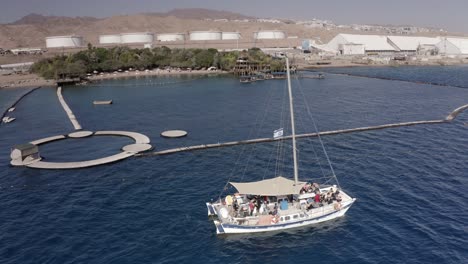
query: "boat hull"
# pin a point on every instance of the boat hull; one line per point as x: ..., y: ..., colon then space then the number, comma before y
x: 227, y: 228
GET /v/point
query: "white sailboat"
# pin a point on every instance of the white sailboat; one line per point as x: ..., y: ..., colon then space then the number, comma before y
x: 278, y: 203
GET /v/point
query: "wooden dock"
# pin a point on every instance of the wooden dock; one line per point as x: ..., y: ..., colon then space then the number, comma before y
x: 449, y: 118
x: 67, y: 109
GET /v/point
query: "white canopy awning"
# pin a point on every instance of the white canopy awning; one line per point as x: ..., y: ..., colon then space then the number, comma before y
x: 271, y: 187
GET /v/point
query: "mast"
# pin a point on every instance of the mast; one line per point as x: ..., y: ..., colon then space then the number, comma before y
x: 291, y: 110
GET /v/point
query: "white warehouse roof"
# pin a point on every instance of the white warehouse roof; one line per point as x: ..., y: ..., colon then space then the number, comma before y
x: 453, y: 45
x: 370, y: 42
x: 411, y: 43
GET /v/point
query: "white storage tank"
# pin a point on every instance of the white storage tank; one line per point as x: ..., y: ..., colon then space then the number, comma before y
x: 140, y: 37
x: 230, y: 35
x: 206, y: 35
x: 170, y: 37
x: 110, y: 39
x: 269, y: 34
x: 64, y: 42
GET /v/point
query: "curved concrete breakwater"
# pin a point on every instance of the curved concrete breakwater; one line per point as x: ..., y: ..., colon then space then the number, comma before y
x: 141, y: 144
x: 21, y: 157
x: 449, y: 118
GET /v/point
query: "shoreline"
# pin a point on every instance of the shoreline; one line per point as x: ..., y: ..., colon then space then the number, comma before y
x: 32, y: 80
x: 29, y: 80
x: 151, y: 73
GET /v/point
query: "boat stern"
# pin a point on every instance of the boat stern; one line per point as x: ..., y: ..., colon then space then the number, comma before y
x: 219, y: 228
x: 211, y: 209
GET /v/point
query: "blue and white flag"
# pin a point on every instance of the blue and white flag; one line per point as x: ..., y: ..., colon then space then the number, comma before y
x: 278, y: 133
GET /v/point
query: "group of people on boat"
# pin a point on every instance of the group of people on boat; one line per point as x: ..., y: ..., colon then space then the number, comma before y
x: 256, y: 205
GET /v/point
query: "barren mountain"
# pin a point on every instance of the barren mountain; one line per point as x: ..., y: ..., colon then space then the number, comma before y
x: 37, y: 19
x: 201, y: 14
x: 30, y: 31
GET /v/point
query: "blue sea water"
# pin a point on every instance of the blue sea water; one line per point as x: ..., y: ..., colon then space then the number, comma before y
x: 410, y: 182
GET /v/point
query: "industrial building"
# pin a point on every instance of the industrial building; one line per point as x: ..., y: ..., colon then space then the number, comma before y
x: 410, y: 45
x: 64, y: 42
x: 165, y: 37
x: 110, y: 39
x: 138, y: 37
x: 349, y: 44
x: 230, y: 36
x: 205, y: 35
x: 453, y: 46
x: 269, y: 34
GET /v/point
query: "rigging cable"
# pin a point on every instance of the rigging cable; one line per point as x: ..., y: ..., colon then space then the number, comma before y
x: 319, y: 137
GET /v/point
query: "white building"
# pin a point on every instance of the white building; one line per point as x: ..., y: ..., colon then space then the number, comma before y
x: 352, y: 49
x: 407, y: 44
x: 373, y: 44
x: 231, y: 36
x: 166, y: 37
x: 205, y: 35
x: 453, y: 46
x: 110, y: 39
x: 140, y: 37
x: 64, y: 42
x: 269, y: 34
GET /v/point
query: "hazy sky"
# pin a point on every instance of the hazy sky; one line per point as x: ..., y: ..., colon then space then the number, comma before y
x: 448, y: 14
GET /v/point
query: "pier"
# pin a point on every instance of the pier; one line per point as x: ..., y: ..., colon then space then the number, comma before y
x: 67, y: 109
x: 449, y: 118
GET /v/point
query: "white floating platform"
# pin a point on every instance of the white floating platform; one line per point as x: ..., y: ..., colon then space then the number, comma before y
x: 47, y: 140
x: 137, y: 148
x: 80, y: 164
x: 174, y: 133
x: 80, y: 134
x: 141, y: 145
x: 139, y: 138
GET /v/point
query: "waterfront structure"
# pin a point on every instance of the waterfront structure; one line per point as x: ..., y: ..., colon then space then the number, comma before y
x: 352, y: 49
x: 206, y: 35
x: 230, y: 36
x: 373, y: 44
x: 269, y: 34
x: 110, y: 39
x: 409, y: 44
x: 453, y: 46
x: 72, y: 41
x: 137, y: 37
x: 165, y: 37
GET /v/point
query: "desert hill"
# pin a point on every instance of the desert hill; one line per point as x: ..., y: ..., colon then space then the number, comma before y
x: 31, y: 30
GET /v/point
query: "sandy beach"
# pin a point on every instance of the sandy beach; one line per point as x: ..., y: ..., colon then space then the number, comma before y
x: 23, y: 80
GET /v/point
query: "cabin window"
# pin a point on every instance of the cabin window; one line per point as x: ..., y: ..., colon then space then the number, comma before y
x: 287, y: 218
x: 302, y: 215
x: 295, y: 216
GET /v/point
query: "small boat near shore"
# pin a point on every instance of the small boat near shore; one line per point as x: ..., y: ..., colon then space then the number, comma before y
x: 107, y: 102
x: 247, y: 79
x: 318, y: 76
x: 8, y: 119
